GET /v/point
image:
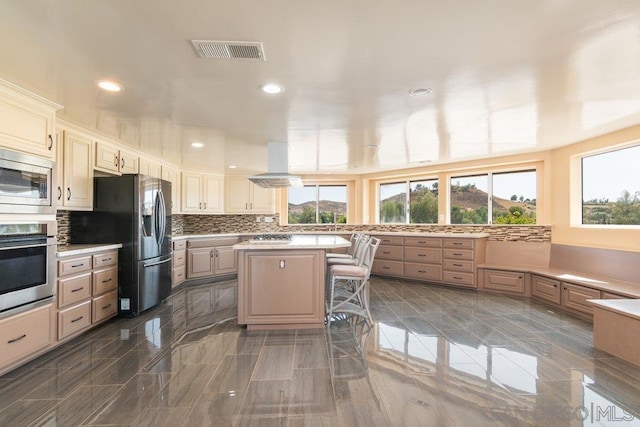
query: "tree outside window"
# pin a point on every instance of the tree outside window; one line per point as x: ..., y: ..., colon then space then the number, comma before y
x: 318, y: 204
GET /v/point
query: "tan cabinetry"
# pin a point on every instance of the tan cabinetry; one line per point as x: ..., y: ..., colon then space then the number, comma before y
x: 201, y: 193
x: 574, y: 298
x: 459, y: 259
x: 111, y: 159
x: 423, y: 258
x: 25, y: 334
x: 150, y: 168
x: 27, y: 121
x: 179, y: 266
x: 504, y: 281
x: 211, y: 257
x: 87, y: 291
x: 75, y: 171
x: 545, y: 288
x: 173, y: 176
x: 243, y: 196
x: 389, y: 257
x: 280, y: 287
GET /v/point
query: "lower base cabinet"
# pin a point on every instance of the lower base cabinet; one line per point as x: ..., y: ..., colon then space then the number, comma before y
x: 545, y: 288
x: 504, y: 281
x: 574, y: 298
x: 24, y: 335
x: 74, y: 319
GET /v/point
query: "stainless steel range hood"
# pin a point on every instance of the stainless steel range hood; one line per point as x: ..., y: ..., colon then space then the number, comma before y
x: 277, y: 168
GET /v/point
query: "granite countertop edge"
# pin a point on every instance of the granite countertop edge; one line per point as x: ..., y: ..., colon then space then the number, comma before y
x: 375, y: 233
x: 80, y: 249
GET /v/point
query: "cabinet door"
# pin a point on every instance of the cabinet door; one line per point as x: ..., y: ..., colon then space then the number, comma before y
x: 236, y: 194
x: 173, y: 176
x: 24, y: 334
x: 200, y: 262
x: 213, y: 188
x: 261, y: 199
x: 128, y: 162
x: 225, y: 262
x: 147, y: 167
x: 574, y: 297
x: 504, y: 281
x: 107, y: 157
x: 191, y: 192
x: 545, y: 288
x: 77, y: 191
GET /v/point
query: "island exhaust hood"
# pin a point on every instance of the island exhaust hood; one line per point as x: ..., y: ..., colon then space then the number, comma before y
x: 277, y: 168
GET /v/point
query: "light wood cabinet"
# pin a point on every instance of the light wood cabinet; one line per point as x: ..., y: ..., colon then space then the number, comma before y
x: 504, y: 281
x: 545, y: 288
x: 173, y: 176
x: 280, y: 287
x: 179, y: 263
x: 27, y: 121
x: 150, y: 168
x: 112, y: 159
x: 459, y: 260
x: 225, y: 260
x: 207, y: 258
x: 387, y: 268
x: 75, y: 191
x: 200, y: 262
x: 25, y: 334
x: 87, y: 290
x: 574, y: 298
x: 201, y: 193
x: 243, y: 196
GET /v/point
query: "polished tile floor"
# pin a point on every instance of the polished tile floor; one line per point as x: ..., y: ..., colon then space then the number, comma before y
x: 435, y: 356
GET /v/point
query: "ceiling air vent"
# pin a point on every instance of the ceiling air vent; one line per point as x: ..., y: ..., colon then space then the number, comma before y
x: 211, y: 49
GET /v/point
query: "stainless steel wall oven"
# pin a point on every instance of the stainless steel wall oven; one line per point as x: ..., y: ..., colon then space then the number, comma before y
x: 27, y: 263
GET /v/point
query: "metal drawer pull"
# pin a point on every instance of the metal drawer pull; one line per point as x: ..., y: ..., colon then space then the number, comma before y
x: 106, y: 259
x: 386, y: 253
x: 106, y: 281
x: 457, y: 254
x: 78, y: 319
x: 386, y: 268
x: 421, y: 271
x: 422, y: 255
x: 457, y: 265
x: 457, y: 277
x: 77, y: 289
x: 421, y: 242
x: 23, y: 336
x: 457, y: 243
x: 106, y: 306
x: 77, y: 265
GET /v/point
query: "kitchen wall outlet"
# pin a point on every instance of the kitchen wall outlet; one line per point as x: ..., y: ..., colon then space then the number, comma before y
x: 257, y: 219
x: 268, y: 219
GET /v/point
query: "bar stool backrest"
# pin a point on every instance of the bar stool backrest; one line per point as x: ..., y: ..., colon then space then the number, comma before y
x: 361, y: 248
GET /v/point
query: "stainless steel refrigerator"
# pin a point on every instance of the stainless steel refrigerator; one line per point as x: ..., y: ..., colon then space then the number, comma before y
x: 134, y: 210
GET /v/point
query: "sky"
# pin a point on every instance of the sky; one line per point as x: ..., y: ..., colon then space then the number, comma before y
x: 608, y: 175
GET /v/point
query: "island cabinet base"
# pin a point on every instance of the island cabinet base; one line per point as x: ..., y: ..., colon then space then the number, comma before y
x: 281, y: 289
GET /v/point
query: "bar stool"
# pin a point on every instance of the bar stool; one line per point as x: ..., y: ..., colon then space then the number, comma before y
x: 353, y: 239
x: 348, y: 288
x: 359, y: 246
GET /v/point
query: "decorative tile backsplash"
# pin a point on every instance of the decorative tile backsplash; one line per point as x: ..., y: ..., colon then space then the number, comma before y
x: 212, y: 224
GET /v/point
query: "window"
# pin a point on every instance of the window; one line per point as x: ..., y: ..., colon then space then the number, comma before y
x: 318, y: 204
x: 511, y: 196
x: 611, y: 187
x: 422, y: 205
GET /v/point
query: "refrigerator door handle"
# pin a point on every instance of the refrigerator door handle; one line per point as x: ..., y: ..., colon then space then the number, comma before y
x: 152, y: 264
x: 162, y: 217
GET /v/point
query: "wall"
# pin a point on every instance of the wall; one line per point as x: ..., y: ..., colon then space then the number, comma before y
x: 566, y: 196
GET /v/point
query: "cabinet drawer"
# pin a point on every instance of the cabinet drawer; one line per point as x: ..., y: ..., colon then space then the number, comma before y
x: 386, y: 267
x: 458, y: 243
x: 74, y: 319
x: 458, y: 278
x: 389, y: 252
x: 426, y: 242
x: 427, y: 255
x: 504, y: 281
x: 545, y: 288
x: 422, y: 271
x: 24, y: 334
x: 575, y: 297
x: 105, y: 306
x: 179, y: 258
x: 105, y: 259
x: 75, y: 265
x: 105, y: 280
x: 610, y: 295
x: 456, y: 265
x: 179, y: 275
x: 179, y: 245
x: 391, y: 240
x: 458, y: 254
x: 74, y: 289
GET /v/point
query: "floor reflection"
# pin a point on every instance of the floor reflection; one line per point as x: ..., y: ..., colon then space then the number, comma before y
x: 434, y: 356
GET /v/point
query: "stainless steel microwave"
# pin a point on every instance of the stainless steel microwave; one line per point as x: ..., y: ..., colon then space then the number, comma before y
x: 25, y: 183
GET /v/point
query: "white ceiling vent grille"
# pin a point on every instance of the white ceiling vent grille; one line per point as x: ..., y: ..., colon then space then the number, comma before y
x: 228, y: 50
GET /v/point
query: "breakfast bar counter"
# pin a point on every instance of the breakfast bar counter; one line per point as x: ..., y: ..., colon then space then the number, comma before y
x: 281, y: 280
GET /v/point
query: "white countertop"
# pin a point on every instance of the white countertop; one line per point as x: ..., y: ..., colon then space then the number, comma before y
x: 333, y: 233
x: 298, y: 241
x: 72, y: 250
x: 628, y: 307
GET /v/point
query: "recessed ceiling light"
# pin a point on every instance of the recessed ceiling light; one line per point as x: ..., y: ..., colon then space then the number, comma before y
x: 197, y: 144
x: 328, y: 173
x: 232, y: 166
x: 371, y: 145
x: 272, y: 88
x: 420, y: 91
x: 109, y: 86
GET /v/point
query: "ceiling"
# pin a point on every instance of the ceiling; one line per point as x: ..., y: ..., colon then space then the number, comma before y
x: 507, y: 76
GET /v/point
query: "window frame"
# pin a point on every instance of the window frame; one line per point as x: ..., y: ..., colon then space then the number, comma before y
x: 317, y: 206
x: 407, y: 206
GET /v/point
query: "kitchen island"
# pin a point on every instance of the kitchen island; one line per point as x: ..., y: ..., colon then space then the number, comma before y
x: 281, y: 280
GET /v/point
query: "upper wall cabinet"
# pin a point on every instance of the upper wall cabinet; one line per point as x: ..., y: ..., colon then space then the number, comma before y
x: 75, y: 171
x: 201, y: 193
x: 114, y: 160
x: 148, y: 167
x: 173, y: 176
x: 243, y: 196
x: 27, y: 121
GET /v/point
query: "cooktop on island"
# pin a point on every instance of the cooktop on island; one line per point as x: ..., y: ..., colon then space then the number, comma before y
x: 271, y: 238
